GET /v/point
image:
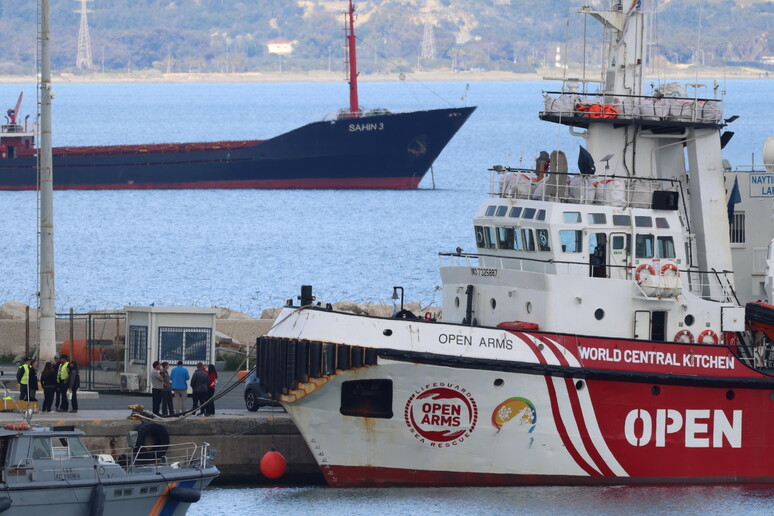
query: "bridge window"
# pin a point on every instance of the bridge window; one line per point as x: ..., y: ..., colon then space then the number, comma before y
x: 542, y: 238
x: 490, y: 210
x: 665, y: 247
x: 572, y: 241
x: 622, y: 220
x: 501, y: 211
x: 505, y: 238
x: 518, y: 241
x: 529, y: 239
x: 541, y: 215
x: 642, y: 221
x: 529, y: 213
x: 571, y: 217
x: 643, y: 247
x: 489, y: 234
x: 662, y: 223
x: 516, y: 212
x: 597, y: 218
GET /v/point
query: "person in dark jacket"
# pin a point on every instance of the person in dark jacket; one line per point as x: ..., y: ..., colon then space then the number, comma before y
x: 48, y: 380
x: 209, y: 409
x: 199, y: 382
x: 74, y: 383
x: 34, y: 380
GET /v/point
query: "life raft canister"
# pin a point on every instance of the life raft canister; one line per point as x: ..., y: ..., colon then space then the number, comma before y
x: 684, y: 336
x: 639, y: 277
x: 708, y: 335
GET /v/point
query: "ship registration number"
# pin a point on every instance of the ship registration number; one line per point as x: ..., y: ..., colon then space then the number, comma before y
x: 483, y: 272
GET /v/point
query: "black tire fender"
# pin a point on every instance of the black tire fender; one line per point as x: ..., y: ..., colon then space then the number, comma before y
x: 185, y: 494
x: 151, y: 434
x: 5, y: 504
x: 97, y: 505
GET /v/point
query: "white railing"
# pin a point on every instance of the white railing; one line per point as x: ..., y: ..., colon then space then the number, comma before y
x: 623, y: 192
x: 593, y: 107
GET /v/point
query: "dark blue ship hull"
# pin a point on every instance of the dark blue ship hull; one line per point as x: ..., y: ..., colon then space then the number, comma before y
x: 392, y: 150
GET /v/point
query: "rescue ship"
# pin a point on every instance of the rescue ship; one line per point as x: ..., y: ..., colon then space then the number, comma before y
x: 594, y: 337
x: 357, y: 149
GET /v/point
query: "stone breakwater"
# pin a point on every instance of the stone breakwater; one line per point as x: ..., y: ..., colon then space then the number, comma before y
x: 233, y: 329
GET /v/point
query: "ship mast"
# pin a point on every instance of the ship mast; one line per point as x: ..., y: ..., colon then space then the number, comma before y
x: 47, y: 315
x: 349, y: 34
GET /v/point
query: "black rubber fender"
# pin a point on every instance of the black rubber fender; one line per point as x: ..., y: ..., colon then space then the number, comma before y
x: 185, y: 494
x: 5, y: 504
x: 97, y: 505
x: 151, y: 434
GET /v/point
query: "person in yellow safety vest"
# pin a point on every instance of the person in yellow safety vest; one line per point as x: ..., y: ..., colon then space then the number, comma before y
x: 23, y: 377
x: 64, y: 380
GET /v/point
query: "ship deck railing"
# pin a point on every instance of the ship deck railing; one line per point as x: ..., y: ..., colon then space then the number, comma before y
x: 708, y: 285
x: 18, y: 129
x: 580, y: 109
x: 177, y: 455
x: 610, y: 190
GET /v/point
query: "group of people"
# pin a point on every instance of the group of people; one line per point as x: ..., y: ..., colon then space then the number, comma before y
x: 166, y: 385
x: 57, y: 379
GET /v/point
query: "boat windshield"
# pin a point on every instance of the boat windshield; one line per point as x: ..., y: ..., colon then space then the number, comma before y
x: 58, y: 448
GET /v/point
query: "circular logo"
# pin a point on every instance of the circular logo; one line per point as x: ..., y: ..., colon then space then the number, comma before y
x: 441, y: 414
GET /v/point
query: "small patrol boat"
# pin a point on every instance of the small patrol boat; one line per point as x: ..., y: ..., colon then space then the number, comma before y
x: 594, y: 338
x: 50, y: 469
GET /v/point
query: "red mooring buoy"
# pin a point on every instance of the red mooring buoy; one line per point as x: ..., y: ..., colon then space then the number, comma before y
x: 273, y: 464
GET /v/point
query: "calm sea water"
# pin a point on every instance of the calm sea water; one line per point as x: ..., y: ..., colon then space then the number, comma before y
x: 250, y: 250
x: 614, y: 501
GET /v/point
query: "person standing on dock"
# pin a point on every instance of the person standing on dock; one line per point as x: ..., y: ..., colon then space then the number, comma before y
x: 74, y: 384
x: 199, y: 382
x: 23, y: 377
x: 64, y: 383
x: 166, y: 391
x: 48, y: 379
x: 157, y: 386
x: 213, y: 374
x: 180, y: 377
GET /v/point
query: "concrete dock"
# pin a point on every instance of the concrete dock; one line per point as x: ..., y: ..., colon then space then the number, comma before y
x: 240, y: 437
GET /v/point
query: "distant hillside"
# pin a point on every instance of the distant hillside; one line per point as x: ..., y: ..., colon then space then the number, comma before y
x: 231, y: 35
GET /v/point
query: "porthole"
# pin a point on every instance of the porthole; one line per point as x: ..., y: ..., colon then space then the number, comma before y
x: 655, y: 390
x: 541, y: 346
x: 387, y: 332
x: 529, y: 307
x: 689, y: 320
x: 498, y: 382
x: 599, y: 314
x: 579, y: 385
x: 730, y: 395
x: 493, y: 303
x: 456, y: 302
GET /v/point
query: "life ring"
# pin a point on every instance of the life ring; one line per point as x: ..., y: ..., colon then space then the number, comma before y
x: 17, y: 426
x: 152, y: 442
x: 684, y: 336
x: 667, y: 267
x: 644, y: 266
x: 708, y: 334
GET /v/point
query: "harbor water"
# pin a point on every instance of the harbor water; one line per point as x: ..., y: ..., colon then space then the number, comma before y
x: 251, y: 249
x: 550, y: 501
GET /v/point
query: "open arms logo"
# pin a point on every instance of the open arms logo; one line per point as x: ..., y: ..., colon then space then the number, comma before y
x: 441, y: 414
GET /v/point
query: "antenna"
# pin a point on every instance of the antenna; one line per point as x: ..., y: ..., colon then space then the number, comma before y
x: 83, y: 61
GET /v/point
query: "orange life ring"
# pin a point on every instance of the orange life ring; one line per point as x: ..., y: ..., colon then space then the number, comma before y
x: 708, y: 334
x: 637, y: 273
x: 17, y: 426
x: 669, y: 267
x: 681, y: 335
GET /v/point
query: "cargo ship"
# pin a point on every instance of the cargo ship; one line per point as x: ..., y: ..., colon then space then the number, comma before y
x: 594, y: 337
x: 356, y: 149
